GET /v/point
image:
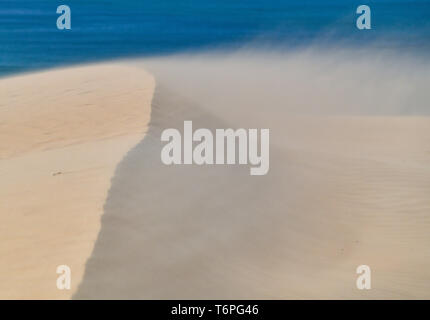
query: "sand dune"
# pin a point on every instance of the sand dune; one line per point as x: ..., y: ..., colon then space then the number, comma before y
x: 348, y: 183
x: 343, y: 190
x: 62, y: 133
x: 299, y: 232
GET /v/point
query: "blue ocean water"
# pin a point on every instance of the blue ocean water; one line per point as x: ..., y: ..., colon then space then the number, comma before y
x: 104, y: 29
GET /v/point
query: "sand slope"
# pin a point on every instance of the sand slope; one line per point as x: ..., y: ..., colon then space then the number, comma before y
x: 345, y: 188
x: 337, y: 196
x: 349, y: 184
x: 62, y: 133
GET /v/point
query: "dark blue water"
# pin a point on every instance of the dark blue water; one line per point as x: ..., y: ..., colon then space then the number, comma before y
x: 103, y: 29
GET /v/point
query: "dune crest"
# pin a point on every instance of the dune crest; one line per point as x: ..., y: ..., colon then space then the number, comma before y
x: 62, y: 133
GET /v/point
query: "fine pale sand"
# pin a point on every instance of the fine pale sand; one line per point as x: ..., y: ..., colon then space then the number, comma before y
x: 344, y: 188
x: 341, y: 192
x: 62, y: 133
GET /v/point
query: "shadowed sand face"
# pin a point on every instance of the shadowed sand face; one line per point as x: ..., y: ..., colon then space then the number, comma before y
x: 342, y: 190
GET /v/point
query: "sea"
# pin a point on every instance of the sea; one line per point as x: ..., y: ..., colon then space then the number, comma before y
x: 109, y: 29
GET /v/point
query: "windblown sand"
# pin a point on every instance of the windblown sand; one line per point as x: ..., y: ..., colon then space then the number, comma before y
x: 348, y: 184
x: 62, y: 133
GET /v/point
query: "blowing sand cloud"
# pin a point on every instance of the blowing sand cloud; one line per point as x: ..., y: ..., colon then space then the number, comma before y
x: 348, y: 183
